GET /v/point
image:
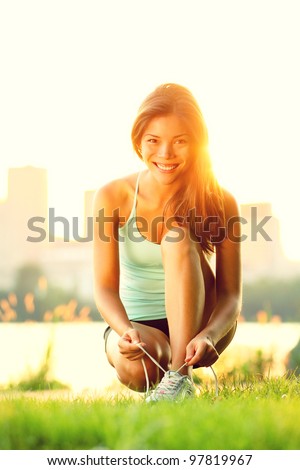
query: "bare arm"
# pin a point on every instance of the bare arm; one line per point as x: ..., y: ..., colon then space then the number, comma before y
x: 106, y: 259
x: 106, y: 269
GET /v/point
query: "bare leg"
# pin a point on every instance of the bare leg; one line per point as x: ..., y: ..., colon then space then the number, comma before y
x: 184, y: 292
x: 131, y: 373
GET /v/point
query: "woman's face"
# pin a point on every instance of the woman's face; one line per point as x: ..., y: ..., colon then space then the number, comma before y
x: 166, y: 147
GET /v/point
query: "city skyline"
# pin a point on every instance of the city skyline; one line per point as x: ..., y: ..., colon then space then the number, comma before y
x: 79, y: 213
x: 30, y: 233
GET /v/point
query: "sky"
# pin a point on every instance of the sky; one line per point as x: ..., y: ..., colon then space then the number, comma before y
x: 73, y: 74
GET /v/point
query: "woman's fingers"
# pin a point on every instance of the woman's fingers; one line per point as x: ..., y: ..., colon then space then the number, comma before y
x: 201, y: 351
x: 132, y: 335
x: 128, y: 345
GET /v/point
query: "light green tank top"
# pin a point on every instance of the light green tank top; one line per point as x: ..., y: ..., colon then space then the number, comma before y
x: 142, y: 277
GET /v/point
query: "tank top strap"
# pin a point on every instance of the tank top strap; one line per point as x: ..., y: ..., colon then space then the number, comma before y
x: 136, y: 191
x: 133, y: 209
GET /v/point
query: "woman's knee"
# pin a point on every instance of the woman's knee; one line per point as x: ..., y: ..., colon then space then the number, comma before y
x: 132, y: 374
x: 178, y: 240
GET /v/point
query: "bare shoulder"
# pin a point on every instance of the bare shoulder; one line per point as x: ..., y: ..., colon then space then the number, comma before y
x: 231, y: 205
x: 115, y: 194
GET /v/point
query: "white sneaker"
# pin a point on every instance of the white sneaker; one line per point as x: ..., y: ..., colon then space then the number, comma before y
x: 173, y: 387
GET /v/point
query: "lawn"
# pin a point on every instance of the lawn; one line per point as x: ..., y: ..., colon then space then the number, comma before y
x: 256, y: 414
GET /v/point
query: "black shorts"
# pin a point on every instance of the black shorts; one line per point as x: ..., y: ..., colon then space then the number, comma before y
x: 161, y: 324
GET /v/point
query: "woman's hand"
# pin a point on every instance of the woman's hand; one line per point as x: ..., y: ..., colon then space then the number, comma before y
x: 201, y: 350
x: 128, y: 345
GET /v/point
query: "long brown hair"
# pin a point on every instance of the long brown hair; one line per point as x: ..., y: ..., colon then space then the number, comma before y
x: 203, y: 195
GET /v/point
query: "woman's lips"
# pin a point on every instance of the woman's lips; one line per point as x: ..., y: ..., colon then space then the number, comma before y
x: 166, y: 167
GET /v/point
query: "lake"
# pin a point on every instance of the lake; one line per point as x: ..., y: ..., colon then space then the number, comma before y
x: 78, y: 354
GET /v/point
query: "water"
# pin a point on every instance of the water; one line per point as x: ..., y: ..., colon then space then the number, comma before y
x: 78, y: 354
x: 78, y: 358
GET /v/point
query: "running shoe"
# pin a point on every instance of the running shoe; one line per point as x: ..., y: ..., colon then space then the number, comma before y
x: 172, y: 387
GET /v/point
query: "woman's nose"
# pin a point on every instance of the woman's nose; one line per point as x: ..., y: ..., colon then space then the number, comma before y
x: 165, y: 150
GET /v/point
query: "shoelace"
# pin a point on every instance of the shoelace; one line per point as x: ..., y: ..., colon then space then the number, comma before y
x: 164, y: 371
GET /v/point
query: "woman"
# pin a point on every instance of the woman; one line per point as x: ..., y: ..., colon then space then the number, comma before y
x: 154, y: 234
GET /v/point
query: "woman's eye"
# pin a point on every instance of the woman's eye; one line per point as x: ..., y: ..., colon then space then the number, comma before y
x: 152, y: 141
x: 180, y: 141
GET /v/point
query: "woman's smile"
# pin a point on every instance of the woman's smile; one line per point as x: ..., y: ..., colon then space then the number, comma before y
x: 166, y: 168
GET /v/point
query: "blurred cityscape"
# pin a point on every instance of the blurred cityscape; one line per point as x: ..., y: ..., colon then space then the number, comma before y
x: 68, y: 263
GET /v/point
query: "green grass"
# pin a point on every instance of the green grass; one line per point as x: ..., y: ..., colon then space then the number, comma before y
x: 258, y: 414
x: 39, y: 379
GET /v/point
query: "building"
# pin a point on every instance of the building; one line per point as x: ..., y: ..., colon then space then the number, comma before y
x: 262, y: 252
x: 25, y: 237
x: 27, y: 199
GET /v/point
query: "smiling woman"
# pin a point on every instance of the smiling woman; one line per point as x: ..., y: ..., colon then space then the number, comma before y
x: 165, y: 307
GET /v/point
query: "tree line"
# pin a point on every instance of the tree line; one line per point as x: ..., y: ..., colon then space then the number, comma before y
x: 33, y: 298
x: 277, y: 297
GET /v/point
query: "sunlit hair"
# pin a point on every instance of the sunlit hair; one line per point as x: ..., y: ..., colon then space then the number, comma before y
x: 202, y: 195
